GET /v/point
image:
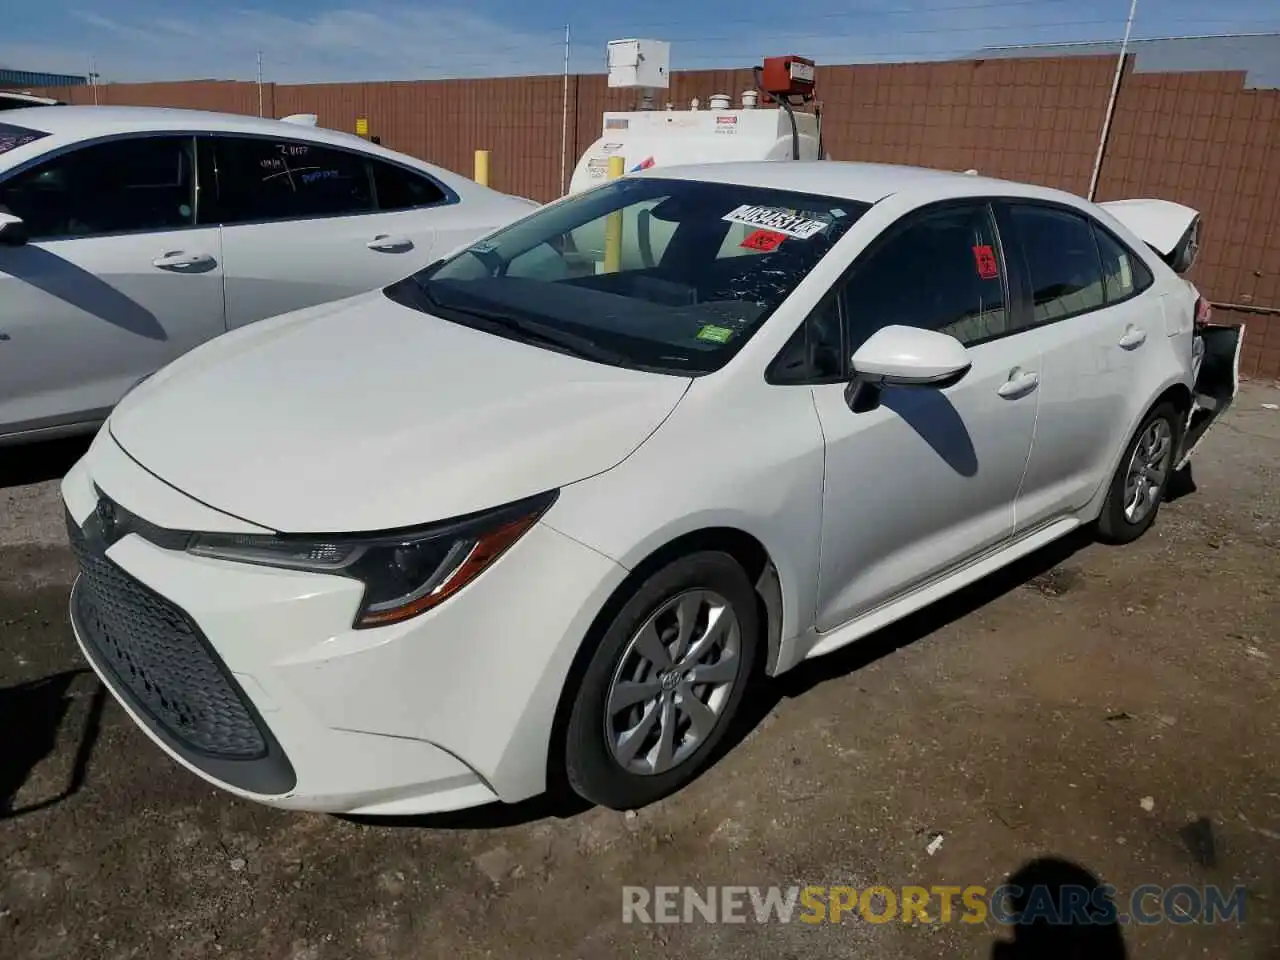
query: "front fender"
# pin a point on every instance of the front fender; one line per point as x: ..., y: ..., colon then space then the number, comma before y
x: 749, y: 466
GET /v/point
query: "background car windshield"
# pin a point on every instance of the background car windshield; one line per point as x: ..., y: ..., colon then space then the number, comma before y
x: 12, y: 137
x: 668, y: 275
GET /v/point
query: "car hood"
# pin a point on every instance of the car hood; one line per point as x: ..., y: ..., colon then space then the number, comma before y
x: 366, y: 415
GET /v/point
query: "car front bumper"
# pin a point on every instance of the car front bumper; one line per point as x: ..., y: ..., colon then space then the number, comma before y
x: 252, y: 678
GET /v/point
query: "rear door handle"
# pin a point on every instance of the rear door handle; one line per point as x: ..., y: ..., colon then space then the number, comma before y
x: 1019, y: 384
x: 1133, y: 337
x: 181, y: 260
x: 388, y: 244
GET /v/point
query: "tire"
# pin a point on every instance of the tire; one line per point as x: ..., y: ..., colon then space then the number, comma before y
x: 1114, y: 524
x: 599, y: 765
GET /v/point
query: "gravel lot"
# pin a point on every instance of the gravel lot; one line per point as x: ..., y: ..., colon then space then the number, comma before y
x: 1087, y: 706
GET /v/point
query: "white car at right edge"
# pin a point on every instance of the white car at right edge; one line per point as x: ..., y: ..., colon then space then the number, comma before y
x: 539, y: 511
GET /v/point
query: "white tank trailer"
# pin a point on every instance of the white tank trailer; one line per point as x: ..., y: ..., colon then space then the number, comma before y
x: 715, y: 132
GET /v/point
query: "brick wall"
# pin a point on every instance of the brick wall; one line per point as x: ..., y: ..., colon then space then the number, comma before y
x: 1197, y: 138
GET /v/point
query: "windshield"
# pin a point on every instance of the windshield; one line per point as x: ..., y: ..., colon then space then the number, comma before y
x: 12, y: 136
x: 665, y: 275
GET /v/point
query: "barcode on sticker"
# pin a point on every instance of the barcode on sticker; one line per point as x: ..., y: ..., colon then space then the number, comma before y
x: 779, y: 221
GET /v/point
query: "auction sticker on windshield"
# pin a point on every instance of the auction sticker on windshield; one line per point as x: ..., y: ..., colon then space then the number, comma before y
x: 765, y: 241
x: 715, y: 334
x: 777, y: 220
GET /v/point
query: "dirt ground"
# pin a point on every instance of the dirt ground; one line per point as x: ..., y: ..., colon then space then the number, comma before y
x: 1088, y: 706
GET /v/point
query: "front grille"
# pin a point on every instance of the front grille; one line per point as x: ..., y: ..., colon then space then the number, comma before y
x: 159, y: 658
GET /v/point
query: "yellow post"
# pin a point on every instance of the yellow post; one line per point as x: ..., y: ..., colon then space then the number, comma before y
x: 482, y: 167
x: 613, y: 225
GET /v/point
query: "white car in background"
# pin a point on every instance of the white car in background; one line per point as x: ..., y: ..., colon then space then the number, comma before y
x: 128, y: 235
x: 13, y: 100
x: 515, y: 517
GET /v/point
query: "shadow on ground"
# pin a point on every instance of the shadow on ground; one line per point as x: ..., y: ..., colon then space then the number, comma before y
x: 1181, y: 484
x: 31, y: 716
x: 37, y: 462
x: 1060, y: 911
x: 766, y: 693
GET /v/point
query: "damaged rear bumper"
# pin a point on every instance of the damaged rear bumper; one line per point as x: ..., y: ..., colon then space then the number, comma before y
x: 1216, y: 364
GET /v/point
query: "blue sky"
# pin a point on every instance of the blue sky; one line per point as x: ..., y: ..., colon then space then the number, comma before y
x: 405, y: 39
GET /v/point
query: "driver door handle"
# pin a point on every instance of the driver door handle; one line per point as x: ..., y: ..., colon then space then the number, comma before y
x: 181, y: 260
x: 1020, y: 383
x: 1133, y: 337
x: 389, y: 244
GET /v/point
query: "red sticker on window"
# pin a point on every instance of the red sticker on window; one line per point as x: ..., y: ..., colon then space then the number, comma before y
x: 986, y: 260
x: 765, y: 241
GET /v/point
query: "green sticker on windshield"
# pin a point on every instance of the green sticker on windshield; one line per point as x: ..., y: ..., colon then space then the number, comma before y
x: 715, y: 334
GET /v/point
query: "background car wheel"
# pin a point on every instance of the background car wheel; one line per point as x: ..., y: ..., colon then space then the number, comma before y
x: 664, y: 683
x: 1141, y: 480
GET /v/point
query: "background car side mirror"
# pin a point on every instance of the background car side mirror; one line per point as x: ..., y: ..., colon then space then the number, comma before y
x: 13, y: 232
x: 902, y: 356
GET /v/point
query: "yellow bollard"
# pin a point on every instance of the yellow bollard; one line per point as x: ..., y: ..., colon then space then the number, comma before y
x: 482, y: 167
x: 613, y: 225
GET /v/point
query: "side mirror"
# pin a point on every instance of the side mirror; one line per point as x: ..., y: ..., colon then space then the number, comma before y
x: 901, y: 356
x: 13, y: 232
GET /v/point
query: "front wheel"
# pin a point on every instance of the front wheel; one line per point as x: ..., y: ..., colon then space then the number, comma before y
x: 1142, y: 479
x: 664, y: 683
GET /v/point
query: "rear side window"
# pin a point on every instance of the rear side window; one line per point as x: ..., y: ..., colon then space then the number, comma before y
x: 401, y: 189
x: 1123, y: 272
x: 941, y: 271
x: 261, y: 179
x: 12, y: 136
x: 1062, y: 262
x: 118, y: 186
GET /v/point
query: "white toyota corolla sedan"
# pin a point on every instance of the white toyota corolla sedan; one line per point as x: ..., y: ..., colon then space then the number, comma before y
x: 540, y: 510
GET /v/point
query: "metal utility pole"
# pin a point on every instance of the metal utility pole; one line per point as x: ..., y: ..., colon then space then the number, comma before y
x: 1111, y: 104
x: 259, y: 83
x: 564, y: 117
x: 93, y: 78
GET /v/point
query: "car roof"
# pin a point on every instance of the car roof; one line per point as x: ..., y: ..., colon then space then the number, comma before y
x: 66, y: 124
x: 852, y: 180
x: 10, y: 97
x: 84, y: 122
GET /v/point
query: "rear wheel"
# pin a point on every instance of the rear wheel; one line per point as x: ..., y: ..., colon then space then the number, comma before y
x: 662, y: 688
x: 1142, y: 479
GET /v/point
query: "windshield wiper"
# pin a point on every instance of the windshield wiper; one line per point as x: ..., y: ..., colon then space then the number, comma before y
x: 532, y: 331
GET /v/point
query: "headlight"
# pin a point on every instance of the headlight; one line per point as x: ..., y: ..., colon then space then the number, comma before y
x: 404, y: 573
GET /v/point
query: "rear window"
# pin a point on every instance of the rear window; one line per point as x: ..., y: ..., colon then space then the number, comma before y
x: 12, y: 137
x: 665, y: 275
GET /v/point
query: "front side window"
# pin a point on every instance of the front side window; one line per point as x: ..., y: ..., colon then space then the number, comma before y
x: 1062, y: 261
x: 815, y: 352
x: 262, y: 179
x: 117, y: 186
x: 941, y: 271
x: 639, y: 272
